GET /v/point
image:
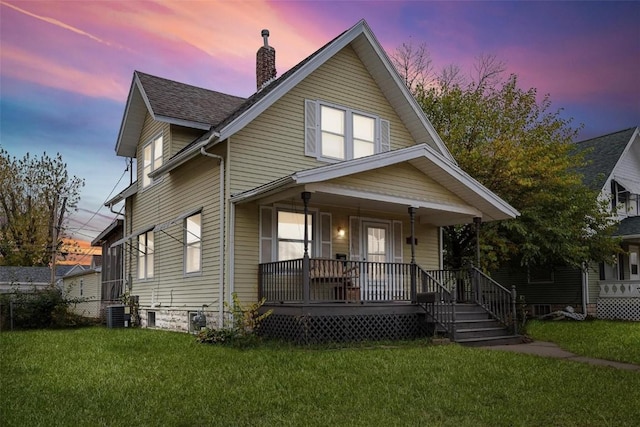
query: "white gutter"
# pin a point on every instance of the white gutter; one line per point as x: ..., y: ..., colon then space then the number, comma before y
x: 222, y: 225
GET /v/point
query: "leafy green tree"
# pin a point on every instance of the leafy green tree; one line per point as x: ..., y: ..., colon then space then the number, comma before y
x: 511, y: 141
x: 36, y: 193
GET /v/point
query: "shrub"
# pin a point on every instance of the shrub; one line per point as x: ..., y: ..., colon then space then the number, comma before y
x: 38, y: 309
x: 240, y: 326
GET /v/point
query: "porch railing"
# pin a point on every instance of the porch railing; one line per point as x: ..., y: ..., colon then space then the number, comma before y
x: 335, y: 280
x: 497, y: 300
x: 619, y: 289
x: 364, y: 282
x: 441, y: 285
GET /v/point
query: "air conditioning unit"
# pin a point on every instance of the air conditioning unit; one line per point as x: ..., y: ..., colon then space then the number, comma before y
x: 115, y: 316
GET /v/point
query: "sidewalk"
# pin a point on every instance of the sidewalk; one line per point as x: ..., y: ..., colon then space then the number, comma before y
x: 549, y: 349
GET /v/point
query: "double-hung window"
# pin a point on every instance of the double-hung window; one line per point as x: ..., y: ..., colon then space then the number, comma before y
x: 152, y: 159
x: 145, y: 255
x: 193, y: 243
x: 335, y: 133
x: 291, y: 234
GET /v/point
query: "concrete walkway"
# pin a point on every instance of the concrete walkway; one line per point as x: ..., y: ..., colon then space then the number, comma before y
x: 549, y: 349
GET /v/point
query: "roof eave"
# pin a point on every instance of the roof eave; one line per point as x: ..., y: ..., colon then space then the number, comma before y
x: 185, y: 156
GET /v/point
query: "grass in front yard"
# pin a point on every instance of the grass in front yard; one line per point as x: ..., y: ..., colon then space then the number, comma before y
x: 603, y: 339
x: 97, y: 376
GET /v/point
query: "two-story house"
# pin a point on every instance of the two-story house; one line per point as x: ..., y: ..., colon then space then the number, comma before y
x: 609, y: 290
x: 614, y: 170
x: 323, y: 192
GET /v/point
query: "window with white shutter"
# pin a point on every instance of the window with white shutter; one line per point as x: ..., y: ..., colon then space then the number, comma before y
x: 335, y: 133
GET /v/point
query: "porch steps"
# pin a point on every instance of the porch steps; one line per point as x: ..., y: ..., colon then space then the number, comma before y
x: 474, y: 327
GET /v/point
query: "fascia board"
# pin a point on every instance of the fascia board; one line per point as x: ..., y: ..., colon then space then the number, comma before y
x: 125, y: 115
x: 468, y: 181
x: 123, y: 195
x: 393, y: 73
x: 263, y: 190
x: 626, y: 150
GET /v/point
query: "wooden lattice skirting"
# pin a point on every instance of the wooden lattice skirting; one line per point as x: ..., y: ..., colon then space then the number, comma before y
x: 311, y: 329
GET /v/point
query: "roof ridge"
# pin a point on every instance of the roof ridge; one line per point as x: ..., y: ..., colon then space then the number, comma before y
x: 606, y: 135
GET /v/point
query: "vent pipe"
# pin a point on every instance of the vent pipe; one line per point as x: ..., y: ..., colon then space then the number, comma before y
x: 265, y: 62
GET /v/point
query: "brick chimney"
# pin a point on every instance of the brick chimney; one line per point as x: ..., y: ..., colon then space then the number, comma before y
x: 265, y: 62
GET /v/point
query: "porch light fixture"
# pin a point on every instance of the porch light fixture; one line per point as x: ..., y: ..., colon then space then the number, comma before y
x: 340, y: 232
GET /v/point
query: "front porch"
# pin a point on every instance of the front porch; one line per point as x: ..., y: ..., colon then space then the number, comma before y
x: 619, y: 300
x: 319, y: 300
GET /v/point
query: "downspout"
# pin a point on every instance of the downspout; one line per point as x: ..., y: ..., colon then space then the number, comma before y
x: 221, y: 232
x: 585, y: 287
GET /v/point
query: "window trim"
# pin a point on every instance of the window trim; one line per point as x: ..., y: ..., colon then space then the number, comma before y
x: 143, y: 256
x: 313, y: 133
x: 145, y: 176
x: 186, y: 246
x: 313, y: 243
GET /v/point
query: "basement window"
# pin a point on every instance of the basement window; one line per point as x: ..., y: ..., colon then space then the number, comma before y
x: 151, y: 319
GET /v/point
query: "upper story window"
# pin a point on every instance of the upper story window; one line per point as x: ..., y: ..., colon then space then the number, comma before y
x: 152, y: 159
x: 335, y: 133
x: 193, y: 243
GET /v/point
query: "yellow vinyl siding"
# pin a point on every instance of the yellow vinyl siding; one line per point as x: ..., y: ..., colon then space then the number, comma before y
x: 189, y: 187
x: 91, y: 289
x: 400, y: 180
x: 272, y: 145
x: 180, y: 138
x: 247, y: 247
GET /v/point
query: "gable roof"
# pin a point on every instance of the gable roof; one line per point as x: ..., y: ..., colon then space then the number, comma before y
x: 629, y: 227
x: 602, y: 155
x: 423, y: 157
x: 374, y: 58
x: 170, y: 102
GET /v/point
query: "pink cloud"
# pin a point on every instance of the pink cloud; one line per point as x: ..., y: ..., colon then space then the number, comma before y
x: 27, y: 66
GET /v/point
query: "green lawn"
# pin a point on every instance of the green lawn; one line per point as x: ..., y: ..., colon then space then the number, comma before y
x: 619, y: 341
x: 97, y: 376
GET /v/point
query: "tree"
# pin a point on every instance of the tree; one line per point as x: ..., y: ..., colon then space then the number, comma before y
x: 517, y: 147
x: 36, y: 193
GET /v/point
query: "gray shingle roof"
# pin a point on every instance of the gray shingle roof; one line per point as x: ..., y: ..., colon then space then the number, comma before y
x: 169, y: 98
x: 629, y: 226
x: 9, y: 274
x: 602, y: 154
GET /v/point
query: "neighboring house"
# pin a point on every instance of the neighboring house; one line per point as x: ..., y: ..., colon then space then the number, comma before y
x: 112, y: 263
x: 83, y: 286
x: 329, y: 185
x: 614, y: 170
x: 608, y: 291
x: 24, y: 279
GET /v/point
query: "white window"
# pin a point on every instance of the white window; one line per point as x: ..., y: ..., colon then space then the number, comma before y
x: 152, y: 159
x: 145, y: 255
x: 291, y: 234
x: 336, y: 133
x: 193, y: 243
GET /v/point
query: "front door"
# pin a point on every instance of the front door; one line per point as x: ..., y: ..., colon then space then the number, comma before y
x: 634, y: 260
x: 377, y: 253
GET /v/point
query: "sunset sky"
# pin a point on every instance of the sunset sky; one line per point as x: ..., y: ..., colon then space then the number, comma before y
x: 66, y: 66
